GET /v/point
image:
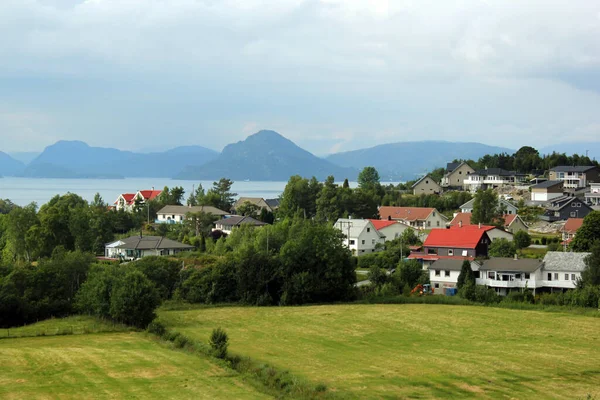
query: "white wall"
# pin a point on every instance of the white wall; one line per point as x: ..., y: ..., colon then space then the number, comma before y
x: 393, y: 231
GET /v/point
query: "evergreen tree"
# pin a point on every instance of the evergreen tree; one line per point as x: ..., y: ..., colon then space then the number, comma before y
x: 466, y: 275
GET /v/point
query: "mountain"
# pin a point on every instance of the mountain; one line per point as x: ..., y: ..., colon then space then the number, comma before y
x: 10, y: 166
x: 76, y: 159
x: 266, y: 156
x: 24, y: 156
x: 592, y: 148
x: 407, y: 160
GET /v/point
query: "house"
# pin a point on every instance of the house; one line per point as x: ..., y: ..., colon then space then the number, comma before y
x: 575, y: 177
x: 512, y: 223
x: 135, y: 247
x: 505, y: 274
x: 228, y: 224
x: 443, y: 273
x: 361, y: 235
x: 570, y: 229
x: 176, y: 214
x: 593, y: 196
x: 455, y: 175
x: 547, y: 190
x: 463, y: 220
x: 269, y: 204
x: 389, y: 229
x: 507, y: 207
x: 459, y: 243
x: 127, y: 201
x: 565, y: 207
x: 416, y: 217
x: 491, y: 178
x: 426, y: 185
x: 147, y: 195
x: 562, y: 270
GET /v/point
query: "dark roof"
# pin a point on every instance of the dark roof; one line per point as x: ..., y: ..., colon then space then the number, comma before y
x: 546, y: 184
x: 561, y: 202
x: 451, y: 166
x: 182, y: 210
x: 496, y: 171
x: 150, y: 243
x: 510, y: 264
x: 273, y: 203
x: 449, y: 264
x: 237, y: 220
x: 567, y: 168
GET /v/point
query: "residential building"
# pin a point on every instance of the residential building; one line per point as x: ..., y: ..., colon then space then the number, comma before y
x: 416, y: 217
x: 268, y: 204
x: 462, y: 221
x: 455, y: 175
x: 570, y: 229
x: 426, y: 185
x: 135, y: 247
x: 547, y: 190
x: 228, y: 224
x: 491, y: 178
x: 562, y: 269
x: 361, y: 235
x: 593, y: 196
x: 507, y: 274
x: 575, y: 177
x: 177, y: 214
x: 507, y: 206
x: 127, y: 201
x: 389, y: 229
x: 443, y: 273
x: 565, y: 207
x: 512, y: 222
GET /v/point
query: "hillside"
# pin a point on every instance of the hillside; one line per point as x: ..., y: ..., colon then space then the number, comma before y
x: 407, y: 160
x: 75, y: 159
x: 10, y: 166
x: 266, y: 156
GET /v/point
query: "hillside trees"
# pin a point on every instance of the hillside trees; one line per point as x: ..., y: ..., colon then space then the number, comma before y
x: 588, y: 233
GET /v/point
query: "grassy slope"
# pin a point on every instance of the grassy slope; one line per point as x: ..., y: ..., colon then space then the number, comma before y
x: 78, y: 324
x: 418, y: 351
x: 110, y: 366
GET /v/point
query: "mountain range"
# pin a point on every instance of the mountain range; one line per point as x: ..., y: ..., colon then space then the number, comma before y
x: 265, y: 155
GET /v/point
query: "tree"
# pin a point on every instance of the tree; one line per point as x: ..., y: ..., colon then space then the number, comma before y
x: 134, y: 299
x: 368, y: 179
x: 98, y: 201
x: 200, y: 222
x: 466, y: 276
x: 485, y: 207
x: 588, y: 233
x: 521, y: 240
x: 591, y: 274
x: 378, y: 276
x: 501, y: 248
x: 299, y: 196
x: 328, y: 202
x: 198, y: 197
x: 220, y: 195
x: 410, y: 272
x: 248, y: 209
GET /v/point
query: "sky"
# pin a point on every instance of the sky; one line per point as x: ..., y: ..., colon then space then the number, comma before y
x: 331, y: 75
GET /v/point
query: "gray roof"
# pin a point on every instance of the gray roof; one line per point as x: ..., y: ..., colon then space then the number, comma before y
x: 451, y: 166
x: 546, y: 184
x: 469, y: 204
x: 567, y: 168
x: 150, y: 243
x: 237, y: 220
x: 448, y: 264
x: 510, y: 264
x: 497, y: 171
x: 559, y: 261
x: 426, y: 176
x: 352, y: 228
x: 182, y: 210
x: 273, y: 203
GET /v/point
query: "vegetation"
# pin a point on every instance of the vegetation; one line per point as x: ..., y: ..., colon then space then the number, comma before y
x: 412, y: 349
x: 501, y: 248
x: 219, y: 342
x: 588, y: 233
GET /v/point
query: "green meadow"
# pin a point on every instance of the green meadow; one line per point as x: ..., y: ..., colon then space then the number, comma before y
x: 416, y: 350
x: 111, y: 366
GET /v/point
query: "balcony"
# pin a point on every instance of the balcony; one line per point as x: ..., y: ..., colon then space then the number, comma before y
x: 517, y: 283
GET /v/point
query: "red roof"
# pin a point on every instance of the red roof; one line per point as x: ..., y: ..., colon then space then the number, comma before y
x: 150, y: 194
x: 128, y: 198
x: 509, y: 218
x: 464, y: 238
x: 405, y: 213
x: 465, y: 218
x: 380, y: 224
x: 572, y: 225
x: 435, y: 257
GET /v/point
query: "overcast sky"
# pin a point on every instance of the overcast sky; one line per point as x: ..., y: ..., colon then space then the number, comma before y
x: 329, y: 74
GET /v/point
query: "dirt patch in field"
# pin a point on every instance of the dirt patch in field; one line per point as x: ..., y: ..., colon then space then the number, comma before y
x: 470, y: 388
x: 146, y: 373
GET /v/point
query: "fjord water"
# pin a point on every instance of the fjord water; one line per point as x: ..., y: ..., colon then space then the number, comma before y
x: 23, y: 191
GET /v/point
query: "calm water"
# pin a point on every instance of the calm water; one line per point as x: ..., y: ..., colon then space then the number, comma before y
x: 23, y: 191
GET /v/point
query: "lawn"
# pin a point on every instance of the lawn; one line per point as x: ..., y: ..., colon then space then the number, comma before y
x: 76, y: 325
x: 111, y: 366
x: 415, y: 351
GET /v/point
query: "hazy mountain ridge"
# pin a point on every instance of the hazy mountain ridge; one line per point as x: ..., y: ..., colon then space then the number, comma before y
x: 9, y: 165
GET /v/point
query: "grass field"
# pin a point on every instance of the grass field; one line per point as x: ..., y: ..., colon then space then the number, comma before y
x: 415, y: 351
x: 111, y: 366
x: 75, y: 325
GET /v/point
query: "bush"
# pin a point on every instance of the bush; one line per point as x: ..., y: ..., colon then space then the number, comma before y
x: 157, y: 328
x: 378, y: 276
x: 180, y: 341
x: 544, y: 240
x: 219, y: 342
x: 522, y: 297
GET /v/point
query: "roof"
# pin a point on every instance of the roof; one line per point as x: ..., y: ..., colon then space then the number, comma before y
x: 237, y: 220
x: 510, y: 264
x: 182, y: 210
x: 354, y: 227
x: 469, y: 204
x: 273, y: 203
x: 496, y: 171
x: 128, y: 197
x: 257, y: 201
x: 566, y: 168
x: 462, y: 238
x: 405, y: 213
x: 451, y: 166
x: 149, y: 243
x: 547, y: 184
x: 561, y: 202
x: 150, y: 194
x: 465, y: 218
x: 572, y: 225
x: 448, y: 264
x: 426, y: 176
x: 381, y: 223
x: 559, y: 261
x: 509, y: 219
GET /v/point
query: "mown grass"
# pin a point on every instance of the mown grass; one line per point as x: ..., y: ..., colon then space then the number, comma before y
x: 75, y: 325
x: 112, y: 366
x: 415, y: 350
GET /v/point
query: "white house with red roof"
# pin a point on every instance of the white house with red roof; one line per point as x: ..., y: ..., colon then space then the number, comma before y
x: 126, y: 201
x: 510, y: 221
x: 570, y: 229
x: 416, y: 217
x: 361, y: 237
x: 390, y: 229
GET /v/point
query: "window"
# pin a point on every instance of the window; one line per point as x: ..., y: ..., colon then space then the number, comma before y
x: 491, y: 275
x: 517, y: 276
x: 447, y: 273
x: 437, y: 272
x: 434, y: 213
x: 368, y: 230
x: 428, y: 223
x: 556, y: 276
x: 436, y: 285
x: 527, y: 275
x: 372, y: 241
x: 549, y: 276
x: 363, y: 242
x: 450, y: 252
x: 572, y: 277
x: 573, y: 213
x: 460, y: 172
x: 477, y: 274
x: 438, y: 223
x: 578, y: 204
x: 352, y: 241
x: 431, y: 251
x: 427, y: 181
x: 566, y: 277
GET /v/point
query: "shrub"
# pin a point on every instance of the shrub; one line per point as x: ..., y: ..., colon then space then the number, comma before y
x: 544, y: 240
x: 219, y: 342
x: 180, y: 341
x: 157, y: 327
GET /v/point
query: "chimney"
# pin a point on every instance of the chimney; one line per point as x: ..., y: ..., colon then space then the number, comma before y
x: 141, y: 233
x: 460, y: 224
x: 516, y: 257
x: 152, y: 188
x: 480, y: 225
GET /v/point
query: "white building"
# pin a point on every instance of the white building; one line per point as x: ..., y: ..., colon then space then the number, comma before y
x: 176, y: 214
x: 228, y: 224
x: 490, y: 178
x: 135, y: 247
x: 443, y: 273
x: 506, y: 274
x: 361, y: 235
x: 593, y: 197
x: 562, y: 270
x: 390, y: 229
